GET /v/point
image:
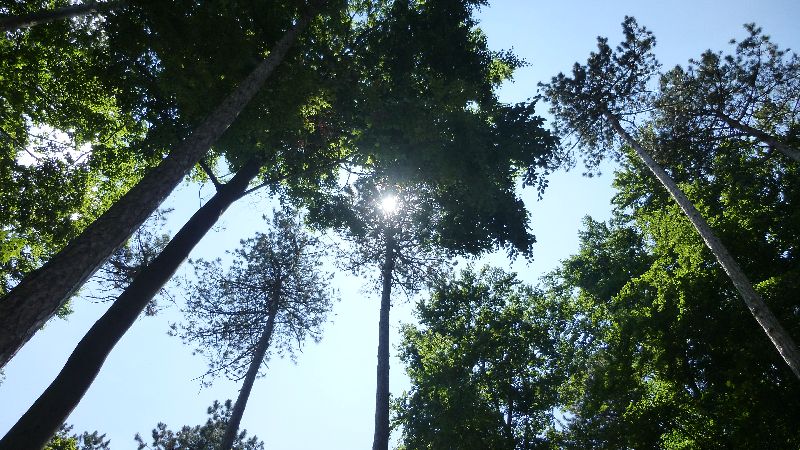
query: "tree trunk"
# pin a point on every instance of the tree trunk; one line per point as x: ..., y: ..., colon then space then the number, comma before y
x: 763, y: 315
x: 380, y: 440
x: 11, y: 23
x: 43, y: 418
x: 766, y: 138
x: 27, y: 307
x: 510, y: 419
x: 244, y: 394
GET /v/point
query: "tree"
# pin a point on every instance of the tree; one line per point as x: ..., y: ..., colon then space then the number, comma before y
x: 42, y: 419
x: 200, y: 437
x: 391, y: 227
x: 21, y: 21
x: 657, y: 353
x: 269, y: 300
x: 36, y: 298
x: 311, y: 160
x: 592, y: 105
x: 442, y: 135
x: 750, y: 95
x: 481, y: 364
x: 86, y: 441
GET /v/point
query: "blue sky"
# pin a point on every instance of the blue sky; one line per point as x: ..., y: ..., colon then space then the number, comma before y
x: 326, y: 400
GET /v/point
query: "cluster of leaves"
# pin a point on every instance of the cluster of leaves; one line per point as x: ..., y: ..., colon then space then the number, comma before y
x: 664, y: 353
x: 613, y: 82
x: 200, y: 437
x: 425, y: 118
x: 643, y: 342
x: 482, y: 364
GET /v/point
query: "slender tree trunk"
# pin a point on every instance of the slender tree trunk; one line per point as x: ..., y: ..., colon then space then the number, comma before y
x: 43, y: 418
x: 766, y: 138
x: 244, y: 394
x: 510, y: 419
x: 380, y: 440
x: 763, y: 315
x: 38, y: 296
x: 11, y: 23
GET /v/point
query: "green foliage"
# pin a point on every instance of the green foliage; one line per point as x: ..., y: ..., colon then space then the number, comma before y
x: 482, y: 366
x: 63, y: 440
x: 424, y: 117
x: 200, y: 437
x: 227, y: 309
x: 62, y: 135
x: 660, y: 351
x: 612, y: 82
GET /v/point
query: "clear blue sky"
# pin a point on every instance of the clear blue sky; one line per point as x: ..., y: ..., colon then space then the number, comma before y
x: 326, y: 400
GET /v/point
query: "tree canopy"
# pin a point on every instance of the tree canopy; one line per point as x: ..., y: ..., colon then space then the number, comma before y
x: 381, y: 120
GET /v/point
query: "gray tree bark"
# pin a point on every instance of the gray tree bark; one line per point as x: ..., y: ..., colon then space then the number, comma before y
x: 380, y: 439
x: 26, y: 308
x: 51, y: 409
x: 244, y: 394
x: 11, y: 23
x: 766, y: 138
x: 763, y: 315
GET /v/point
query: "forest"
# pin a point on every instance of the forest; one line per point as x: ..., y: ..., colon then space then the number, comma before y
x: 206, y: 192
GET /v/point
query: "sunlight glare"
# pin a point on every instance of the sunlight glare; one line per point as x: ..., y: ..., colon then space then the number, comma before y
x: 389, y: 204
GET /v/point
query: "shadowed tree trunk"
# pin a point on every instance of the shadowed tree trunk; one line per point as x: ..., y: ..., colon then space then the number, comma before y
x: 244, y: 394
x: 26, y: 308
x: 380, y: 440
x: 509, y: 425
x: 763, y: 315
x: 40, y: 422
x: 11, y: 23
x: 766, y: 138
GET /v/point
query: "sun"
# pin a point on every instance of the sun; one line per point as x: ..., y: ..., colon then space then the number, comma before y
x: 389, y: 204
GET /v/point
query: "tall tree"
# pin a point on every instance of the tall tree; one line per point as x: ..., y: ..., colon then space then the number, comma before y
x: 441, y: 136
x: 753, y: 94
x: 44, y: 417
x: 268, y: 301
x: 592, y: 104
x: 199, y: 437
x: 481, y: 364
x: 37, y: 297
x: 390, y: 227
x: 314, y: 157
x: 655, y: 355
